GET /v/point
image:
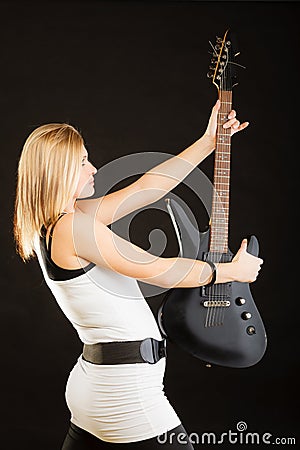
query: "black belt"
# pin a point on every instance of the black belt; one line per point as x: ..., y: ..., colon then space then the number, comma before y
x: 125, y: 352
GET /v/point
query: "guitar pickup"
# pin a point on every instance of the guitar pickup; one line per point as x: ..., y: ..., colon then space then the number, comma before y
x: 220, y: 291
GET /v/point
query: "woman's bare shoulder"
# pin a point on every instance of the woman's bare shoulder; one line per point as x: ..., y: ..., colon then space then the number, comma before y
x: 64, y: 252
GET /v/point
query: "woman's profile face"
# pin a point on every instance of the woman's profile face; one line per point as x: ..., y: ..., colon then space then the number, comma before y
x: 85, y: 187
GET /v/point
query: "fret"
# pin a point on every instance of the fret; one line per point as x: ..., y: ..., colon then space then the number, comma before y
x: 219, y: 175
x: 222, y: 244
x: 221, y: 210
x: 221, y: 232
x: 220, y: 223
x: 223, y: 241
x: 218, y: 249
x: 222, y: 235
x: 220, y: 200
x: 222, y: 179
x: 217, y: 222
x: 220, y: 240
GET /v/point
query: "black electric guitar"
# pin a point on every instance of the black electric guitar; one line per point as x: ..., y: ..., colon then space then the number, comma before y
x: 218, y: 324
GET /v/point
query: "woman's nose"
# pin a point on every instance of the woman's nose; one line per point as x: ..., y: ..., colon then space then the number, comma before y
x: 93, y: 169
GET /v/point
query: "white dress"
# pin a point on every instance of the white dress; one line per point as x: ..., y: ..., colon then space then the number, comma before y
x: 120, y: 402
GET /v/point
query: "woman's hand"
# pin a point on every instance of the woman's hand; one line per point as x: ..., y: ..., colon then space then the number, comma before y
x: 231, y: 123
x: 246, y: 266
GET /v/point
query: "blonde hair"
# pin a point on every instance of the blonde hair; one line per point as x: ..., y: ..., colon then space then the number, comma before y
x: 48, y: 174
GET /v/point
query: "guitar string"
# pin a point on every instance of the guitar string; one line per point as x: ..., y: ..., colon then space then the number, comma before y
x: 220, y: 207
x: 222, y: 149
x: 222, y: 93
x: 223, y: 286
x: 228, y: 98
x: 218, y: 203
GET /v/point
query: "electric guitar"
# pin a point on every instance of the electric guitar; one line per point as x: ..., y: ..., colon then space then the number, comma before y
x: 219, y: 324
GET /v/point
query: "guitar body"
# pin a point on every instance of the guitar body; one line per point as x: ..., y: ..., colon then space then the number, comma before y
x: 218, y: 335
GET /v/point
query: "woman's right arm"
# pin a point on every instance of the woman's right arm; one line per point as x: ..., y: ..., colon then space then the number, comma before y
x: 95, y: 242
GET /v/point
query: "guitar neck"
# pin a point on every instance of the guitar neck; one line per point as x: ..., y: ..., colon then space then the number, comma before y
x: 219, y: 220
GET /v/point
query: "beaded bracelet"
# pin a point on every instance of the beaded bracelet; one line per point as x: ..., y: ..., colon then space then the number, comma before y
x: 214, y: 273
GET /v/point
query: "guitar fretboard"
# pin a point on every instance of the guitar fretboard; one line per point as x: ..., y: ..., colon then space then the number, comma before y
x: 220, y: 203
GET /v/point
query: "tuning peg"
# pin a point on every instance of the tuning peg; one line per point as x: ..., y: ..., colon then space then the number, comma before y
x: 209, y: 75
x: 237, y: 54
x: 218, y: 39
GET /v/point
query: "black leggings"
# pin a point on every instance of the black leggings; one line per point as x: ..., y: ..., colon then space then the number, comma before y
x: 79, y: 439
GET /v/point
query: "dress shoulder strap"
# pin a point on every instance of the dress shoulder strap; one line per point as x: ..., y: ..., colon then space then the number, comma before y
x: 48, y: 247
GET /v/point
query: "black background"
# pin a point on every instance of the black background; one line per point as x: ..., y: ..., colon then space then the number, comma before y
x: 132, y: 77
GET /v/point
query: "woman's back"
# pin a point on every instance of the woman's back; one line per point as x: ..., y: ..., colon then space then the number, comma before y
x: 101, y: 304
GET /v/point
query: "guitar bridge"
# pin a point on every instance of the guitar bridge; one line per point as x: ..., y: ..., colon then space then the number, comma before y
x: 216, y: 303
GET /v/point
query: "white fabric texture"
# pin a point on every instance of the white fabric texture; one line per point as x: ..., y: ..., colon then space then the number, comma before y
x: 122, y: 402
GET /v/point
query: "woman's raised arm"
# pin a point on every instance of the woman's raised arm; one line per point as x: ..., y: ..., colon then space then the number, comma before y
x: 95, y: 242
x: 162, y: 178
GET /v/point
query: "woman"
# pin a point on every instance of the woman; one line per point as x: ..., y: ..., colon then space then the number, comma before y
x: 115, y: 390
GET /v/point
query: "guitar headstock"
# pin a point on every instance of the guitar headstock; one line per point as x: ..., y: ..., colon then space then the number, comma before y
x: 222, y: 65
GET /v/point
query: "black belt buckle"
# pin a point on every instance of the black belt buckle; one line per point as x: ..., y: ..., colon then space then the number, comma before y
x: 152, y: 350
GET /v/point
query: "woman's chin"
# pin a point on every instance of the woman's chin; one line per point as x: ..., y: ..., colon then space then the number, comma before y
x: 87, y: 191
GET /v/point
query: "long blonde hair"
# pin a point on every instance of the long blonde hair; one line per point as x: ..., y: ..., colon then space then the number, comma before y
x: 48, y: 174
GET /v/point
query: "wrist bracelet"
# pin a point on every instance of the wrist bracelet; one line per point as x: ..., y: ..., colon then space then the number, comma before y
x: 214, y: 273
